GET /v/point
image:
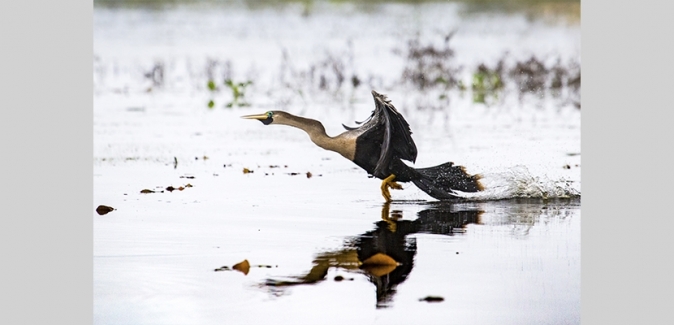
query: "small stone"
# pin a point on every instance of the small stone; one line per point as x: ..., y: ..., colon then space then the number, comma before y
x: 432, y: 299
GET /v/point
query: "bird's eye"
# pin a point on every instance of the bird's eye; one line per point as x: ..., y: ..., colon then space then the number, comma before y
x: 270, y: 114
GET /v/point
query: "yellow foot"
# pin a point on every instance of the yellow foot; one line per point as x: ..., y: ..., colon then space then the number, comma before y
x: 392, y: 225
x: 389, y: 183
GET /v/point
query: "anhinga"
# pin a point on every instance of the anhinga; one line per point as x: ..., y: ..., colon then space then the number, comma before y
x: 379, y: 145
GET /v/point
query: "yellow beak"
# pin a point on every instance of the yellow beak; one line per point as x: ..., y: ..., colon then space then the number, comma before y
x: 256, y: 117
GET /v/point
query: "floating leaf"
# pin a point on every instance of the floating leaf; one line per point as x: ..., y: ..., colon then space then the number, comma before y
x: 309, y: 175
x: 247, y: 171
x: 242, y: 267
x: 104, y: 209
x: 145, y: 191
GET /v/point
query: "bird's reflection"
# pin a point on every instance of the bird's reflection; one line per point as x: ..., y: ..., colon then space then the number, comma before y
x: 385, y: 255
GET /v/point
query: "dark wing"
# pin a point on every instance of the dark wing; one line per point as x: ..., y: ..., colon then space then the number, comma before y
x: 397, y: 137
x: 401, y: 139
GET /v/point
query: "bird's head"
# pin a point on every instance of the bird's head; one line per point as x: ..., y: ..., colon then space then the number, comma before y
x: 270, y: 117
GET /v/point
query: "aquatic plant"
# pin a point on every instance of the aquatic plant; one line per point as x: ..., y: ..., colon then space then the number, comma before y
x: 238, y: 92
x: 428, y: 70
x: 428, y: 66
x: 156, y: 74
x: 530, y: 76
x: 487, y: 82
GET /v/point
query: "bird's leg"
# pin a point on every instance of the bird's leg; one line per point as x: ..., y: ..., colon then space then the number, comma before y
x: 392, y: 222
x: 386, y: 183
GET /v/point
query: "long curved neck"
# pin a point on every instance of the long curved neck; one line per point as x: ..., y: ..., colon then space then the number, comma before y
x: 313, y: 128
x: 316, y: 132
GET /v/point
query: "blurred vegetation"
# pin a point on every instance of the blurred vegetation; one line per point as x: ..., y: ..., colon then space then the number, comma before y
x: 427, y: 65
x: 428, y: 68
x: 472, y: 5
x: 238, y: 92
x: 254, y: 3
x: 553, y: 10
x: 487, y: 82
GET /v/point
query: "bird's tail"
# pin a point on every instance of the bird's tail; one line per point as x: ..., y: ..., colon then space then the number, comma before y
x: 441, y: 181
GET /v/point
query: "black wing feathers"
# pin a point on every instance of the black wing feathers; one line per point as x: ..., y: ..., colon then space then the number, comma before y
x: 386, y: 151
x: 402, y: 137
x: 388, y: 127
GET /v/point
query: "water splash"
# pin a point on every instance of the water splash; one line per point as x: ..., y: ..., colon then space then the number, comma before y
x: 517, y: 182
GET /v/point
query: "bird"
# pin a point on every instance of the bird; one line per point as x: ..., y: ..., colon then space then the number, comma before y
x: 379, y: 145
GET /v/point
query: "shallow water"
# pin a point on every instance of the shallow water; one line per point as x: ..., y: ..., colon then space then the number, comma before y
x: 509, y: 261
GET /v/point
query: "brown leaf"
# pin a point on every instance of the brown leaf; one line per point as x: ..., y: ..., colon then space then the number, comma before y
x: 309, y: 175
x: 145, y: 191
x: 170, y: 188
x: 242, y: 267
x: 247, y: 171
x: 104, y: 209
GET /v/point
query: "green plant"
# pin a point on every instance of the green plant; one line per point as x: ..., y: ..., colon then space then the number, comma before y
x: 238, y: 92
x: 486, y: 82
x: 211, y: 85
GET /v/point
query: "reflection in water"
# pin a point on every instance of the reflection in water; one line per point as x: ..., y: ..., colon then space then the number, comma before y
x: 385, y: 255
